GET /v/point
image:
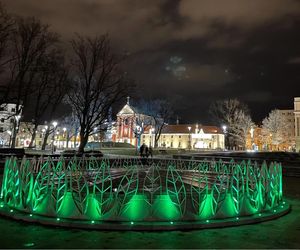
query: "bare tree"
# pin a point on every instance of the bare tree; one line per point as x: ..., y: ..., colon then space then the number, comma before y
x: 98, y: 83
x: 241, y: 128
x: 6, y: 29
x: 235, y: 115
x: 275, y: 125
x: 31, y: 41
x: 72, y: 126
x: 160, y: 112
x: 51, y: 87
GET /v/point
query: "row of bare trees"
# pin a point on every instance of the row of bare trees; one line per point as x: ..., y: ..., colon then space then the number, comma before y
x: 235, y: 115
x: 38, y: 76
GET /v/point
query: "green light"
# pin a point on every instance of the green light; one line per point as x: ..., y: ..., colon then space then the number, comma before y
x: 207, y: 221
x: 237, y: 218
x: 1, y: 205
x: 259, y: 215
x: 281, y: 206
x: 30, y: 215
x: 283, y: 202
x: 28, y: 244
x: 93, y: 222
x: 131, y: 222
x: 11, y: 210
x: 171, y: 222
x: 274, y: 210
x: 58, y: 219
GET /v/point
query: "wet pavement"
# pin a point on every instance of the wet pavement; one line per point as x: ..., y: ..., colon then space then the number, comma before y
x: 280, y: 233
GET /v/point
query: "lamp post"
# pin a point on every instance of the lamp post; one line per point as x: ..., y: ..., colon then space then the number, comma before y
x: 64, y: 135
x: 53, y: 135
x: 138, y: 131
x: 224, y: 127
x: 252, y: 137
x: 190, y: 141
x: 17, y: 118
x: 153, y: 135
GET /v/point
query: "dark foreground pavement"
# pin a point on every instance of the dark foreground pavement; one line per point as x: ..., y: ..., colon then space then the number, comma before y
x: 281, y: 233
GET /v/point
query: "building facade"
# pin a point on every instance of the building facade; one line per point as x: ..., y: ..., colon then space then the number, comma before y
x: 297, y: 122
x: 289, y: 135
x: 130, y: 125
x: 187, y: 136
x: 8, y: 118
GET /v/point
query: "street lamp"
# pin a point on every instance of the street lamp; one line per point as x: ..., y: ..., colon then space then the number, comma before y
x: 252, y: 136
x: 153, y: 133
x: 138, y: 131
x: 224, y: 127
x: 64, y: 137
x: 189, y: 128
x: 53, y: 135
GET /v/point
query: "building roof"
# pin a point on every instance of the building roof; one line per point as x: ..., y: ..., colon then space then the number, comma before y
x: 127, y: 109
x: 183, y: 129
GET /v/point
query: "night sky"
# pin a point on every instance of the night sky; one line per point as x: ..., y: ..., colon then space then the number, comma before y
x: 193, y: 51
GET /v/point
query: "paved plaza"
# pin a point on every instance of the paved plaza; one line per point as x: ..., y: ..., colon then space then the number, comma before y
x: 281, y: 233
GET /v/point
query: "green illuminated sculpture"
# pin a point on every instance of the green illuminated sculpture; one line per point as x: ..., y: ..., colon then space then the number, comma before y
x: 140, y: 190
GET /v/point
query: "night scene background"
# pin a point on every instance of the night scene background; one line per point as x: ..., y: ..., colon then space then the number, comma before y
x: 195, y: 51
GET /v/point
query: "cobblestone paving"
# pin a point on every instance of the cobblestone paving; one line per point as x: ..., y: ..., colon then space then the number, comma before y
x: 281, y: 233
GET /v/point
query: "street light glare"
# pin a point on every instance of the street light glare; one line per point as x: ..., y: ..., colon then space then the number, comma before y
x: 54, y: 124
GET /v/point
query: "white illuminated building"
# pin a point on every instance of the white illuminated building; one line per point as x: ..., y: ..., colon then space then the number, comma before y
x: 187, y: 136
x: 297, y: 122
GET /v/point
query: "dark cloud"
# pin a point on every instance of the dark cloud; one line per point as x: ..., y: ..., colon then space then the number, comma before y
x: 233, y: 48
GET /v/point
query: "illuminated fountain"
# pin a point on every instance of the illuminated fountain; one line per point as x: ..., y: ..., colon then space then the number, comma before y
x: 132, y: 194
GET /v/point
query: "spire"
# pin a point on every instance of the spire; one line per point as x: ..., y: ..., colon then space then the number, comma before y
x: 128, y: 98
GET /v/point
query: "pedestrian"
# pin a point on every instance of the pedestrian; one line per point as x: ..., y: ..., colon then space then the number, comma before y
x: 142, y: 149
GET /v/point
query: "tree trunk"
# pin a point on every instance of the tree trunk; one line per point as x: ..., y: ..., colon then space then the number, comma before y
x: 68, y: 138
x: 33, y: 136
x: 45, y: 139
x: 14, y: 134
x: 83, y: 142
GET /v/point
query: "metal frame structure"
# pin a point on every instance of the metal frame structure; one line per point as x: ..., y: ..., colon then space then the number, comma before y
x: 134, y: 190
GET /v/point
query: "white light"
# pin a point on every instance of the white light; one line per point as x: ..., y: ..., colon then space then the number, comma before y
x: 54, y: 124
x: 189, y: 128
x: 46, y: 127
x: 64, y: 129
